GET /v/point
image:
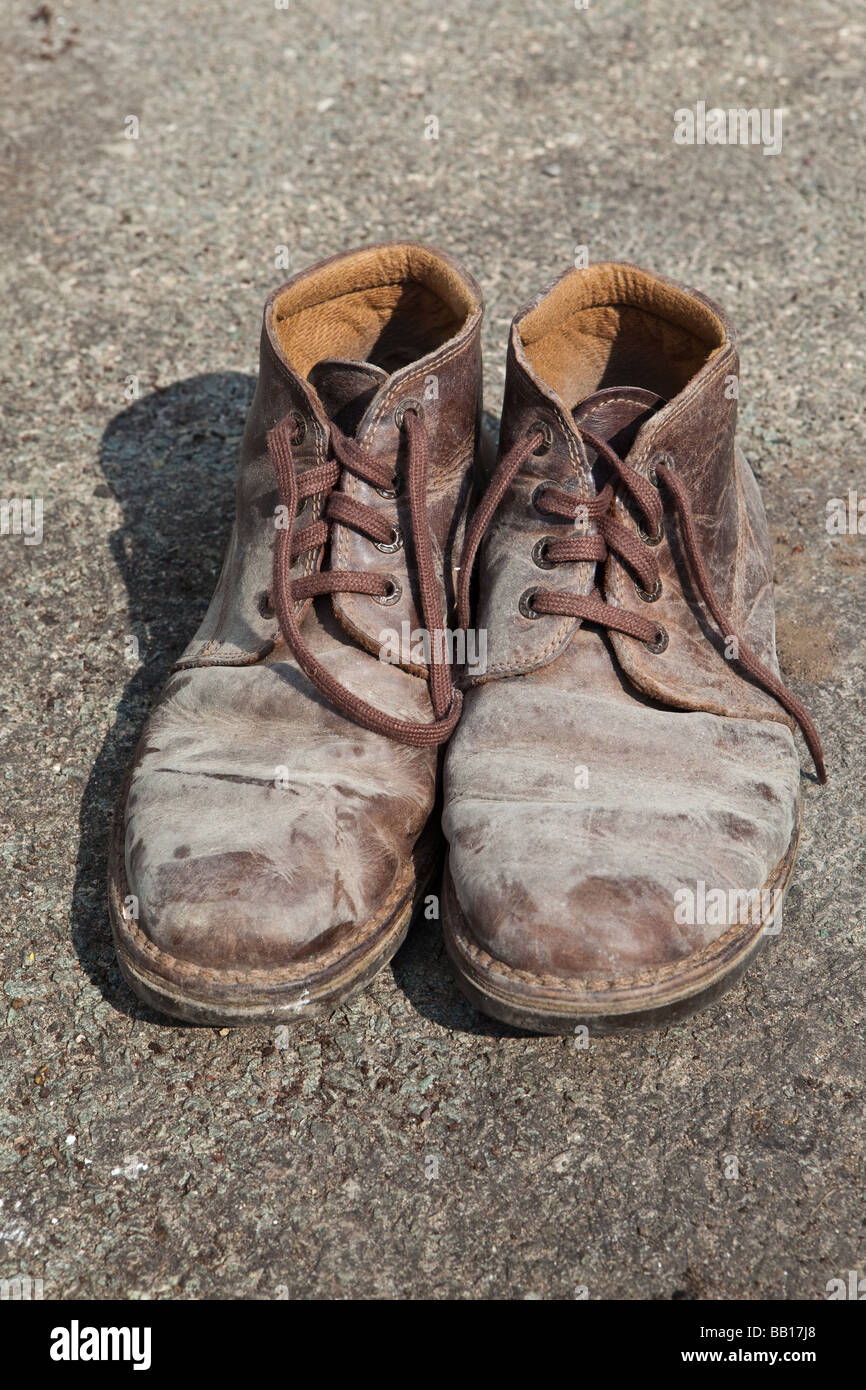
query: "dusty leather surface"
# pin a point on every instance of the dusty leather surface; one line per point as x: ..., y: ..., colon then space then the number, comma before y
x: 451, y: 418
x: 561, y: 879
x: 506, y: 569
x: 261, y: 825
x: 692, y: 772
x: 232, y: 869
x: 697, y: 432
x: 234, y: 629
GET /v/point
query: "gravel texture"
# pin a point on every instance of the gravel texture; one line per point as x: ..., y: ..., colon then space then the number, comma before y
x: 406, y: 1147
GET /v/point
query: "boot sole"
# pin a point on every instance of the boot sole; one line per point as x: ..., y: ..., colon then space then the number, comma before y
x: 234, y: 998
x: 653, y: 999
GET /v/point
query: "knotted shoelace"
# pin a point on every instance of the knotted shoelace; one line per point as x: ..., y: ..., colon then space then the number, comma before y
x: 288, y: 590
x: 634, y: 548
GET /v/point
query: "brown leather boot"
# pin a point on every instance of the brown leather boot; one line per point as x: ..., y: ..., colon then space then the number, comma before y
x: 277, y: 822
x: 622, y: 795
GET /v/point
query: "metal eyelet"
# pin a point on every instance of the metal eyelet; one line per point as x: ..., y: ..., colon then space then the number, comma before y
x: 395, y: 543
x: 394, y: 594
x: 266, y: 608
x: 536, y: 492
x: 391, y: 492
x: 654, y: 593
x: 300, y: 425
x: 661, y: 641
x: 525, y: 605
x: 539, y: 553
x: 401, y: 409
x: 656, y: 461
x: 652, y: 540
x: 543, y: 428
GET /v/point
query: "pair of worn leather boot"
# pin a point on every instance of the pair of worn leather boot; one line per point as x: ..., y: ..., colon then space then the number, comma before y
x: 619, y: 794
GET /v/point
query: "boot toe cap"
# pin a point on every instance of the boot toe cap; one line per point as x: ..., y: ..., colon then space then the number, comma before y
x: 683, y: 819
x: 266, y: 849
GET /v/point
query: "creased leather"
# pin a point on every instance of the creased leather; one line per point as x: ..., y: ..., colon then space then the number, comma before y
x: 507, y: 570
x: 261, y: 826
x: 697, y: 431
x: 556, y: 877
x: 451, y: 417
x: 234, y: 630
x: 590, y: 779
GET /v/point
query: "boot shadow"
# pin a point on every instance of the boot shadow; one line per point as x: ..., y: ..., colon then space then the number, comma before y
x: 422, y: 972
x: 170, y: 461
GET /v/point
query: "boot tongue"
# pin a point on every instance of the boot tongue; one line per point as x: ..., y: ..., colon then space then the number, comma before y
x: 346, y: 389
x: 616, y: 414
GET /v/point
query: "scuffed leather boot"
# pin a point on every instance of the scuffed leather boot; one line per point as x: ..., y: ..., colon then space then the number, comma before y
x: 621, y: 798
x: 277, y: 824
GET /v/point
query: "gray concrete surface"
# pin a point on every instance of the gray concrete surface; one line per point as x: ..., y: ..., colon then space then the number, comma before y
x: 406, y: 1147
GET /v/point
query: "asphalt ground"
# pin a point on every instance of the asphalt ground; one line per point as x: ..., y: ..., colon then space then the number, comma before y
x: 406, y: 1147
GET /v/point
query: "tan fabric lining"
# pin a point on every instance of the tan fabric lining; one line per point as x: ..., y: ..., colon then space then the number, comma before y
x: 387, y: 305
x: 613, y: 325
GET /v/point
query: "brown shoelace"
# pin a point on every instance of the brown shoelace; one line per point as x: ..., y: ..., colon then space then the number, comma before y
x: 287, y: 591
x: 634, y: 548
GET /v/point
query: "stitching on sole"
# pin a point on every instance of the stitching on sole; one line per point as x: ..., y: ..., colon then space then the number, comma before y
x: 133, y: 939
x: 584, y: 985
